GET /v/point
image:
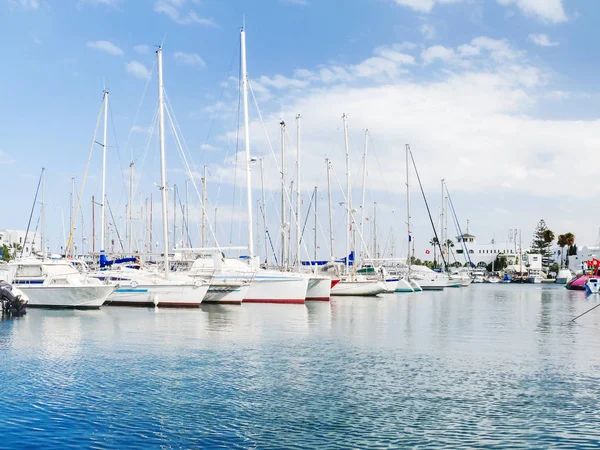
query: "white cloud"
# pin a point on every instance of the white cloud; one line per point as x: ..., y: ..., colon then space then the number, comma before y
x: 424, y: 6
x: 281, y: 82
x: 479, y: 49
x: 106, y: 47
x: 174, y: 10
x: 138, y: 70
x: 109, y: 3
x: 208, y: 147
x: 550, y: 11
x: 189, y: 59
x: 428, y: 31
x: 24, y: 4
x: 142, y: 49
x: 437, y: 52
x: 542, y: 40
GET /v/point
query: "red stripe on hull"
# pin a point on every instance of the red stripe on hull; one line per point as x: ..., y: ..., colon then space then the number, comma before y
x: 318, y: 299
x: 334, y: 282
x: 299, y: 301
x: 221, y: 302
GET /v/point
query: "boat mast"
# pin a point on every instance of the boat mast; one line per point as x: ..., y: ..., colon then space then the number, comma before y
x: 163, y: 170
x: 204, y: 208
x: 93, y: 225
x: 443, y: 238
x: 264, y: 211
x: 247, y: 143
x: 43, y: 213
x: 72, y: 210
x: 331, y: 255
x: 103, y: 201
x: 375, y: 255
x: 298, y: 120
x: 131, y: 207
x: 348, y: 193
x: 174, y: 216
x: 408, y: 258
x: 283, y: 205
x: 186, y: 233
x: 364, y: 183
x: 315, y: 255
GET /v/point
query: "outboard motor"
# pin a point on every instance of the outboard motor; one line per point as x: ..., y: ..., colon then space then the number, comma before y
x: 11, y: 303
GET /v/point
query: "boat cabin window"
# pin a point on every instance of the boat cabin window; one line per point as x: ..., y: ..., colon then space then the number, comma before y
x: 29, y: 271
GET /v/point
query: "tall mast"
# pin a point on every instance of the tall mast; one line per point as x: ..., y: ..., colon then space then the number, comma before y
x: 103, y: 198
x: 298, y: 121
x: 151, y: 218
x: 131, y: 207
x: 348, y: 193
x: 204, y: 208
x: 283, y: 205
x: 163, y: 169
x: 375, y: 255
x: 408, y: 259
x: 174, y: 216
x: 247, y: 144
x: 442, y: 213
x: 315, y: 255
x: 364, y: 184
x: 264, y: 211
x: 72, y: 210
x: 331, y: 255
x: 43, y: 213
x: 93, y: 225
x: 186, y: 234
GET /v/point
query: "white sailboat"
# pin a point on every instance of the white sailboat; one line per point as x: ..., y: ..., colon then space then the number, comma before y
x: 412, y: 282
x: 350, y: 282
x: 143, y: 288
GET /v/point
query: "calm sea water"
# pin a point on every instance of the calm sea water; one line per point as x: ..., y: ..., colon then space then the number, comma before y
x: 487, y: 366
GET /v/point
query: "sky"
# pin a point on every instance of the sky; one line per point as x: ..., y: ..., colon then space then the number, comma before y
x: 497, y: 97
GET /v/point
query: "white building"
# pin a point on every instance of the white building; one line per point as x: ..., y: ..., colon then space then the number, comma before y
x: 577, y: 262
x: 15, y: 239
x: 484, y: 254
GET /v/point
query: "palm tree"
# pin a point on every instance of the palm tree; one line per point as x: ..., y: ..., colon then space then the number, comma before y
x: 570, y: 237
x: 561, y: 241
x: 434, y: 243
x: 548, y: 236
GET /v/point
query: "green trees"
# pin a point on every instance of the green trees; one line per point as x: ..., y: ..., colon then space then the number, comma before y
x: 542, y: 242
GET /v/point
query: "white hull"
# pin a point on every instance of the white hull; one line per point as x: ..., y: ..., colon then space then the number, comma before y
x: 404, y: 286
x: 416, y: 286
x: 359, y: 288
x: 433, y: 284
x: 390, y: 286
x: 466, y: 282
x: 91, y: 296
x: 592, y: 286
x: 535, y: 280
x: 165, y: 295
x: 276, y: 287
x: 319, y: 289
x: 226, y: 293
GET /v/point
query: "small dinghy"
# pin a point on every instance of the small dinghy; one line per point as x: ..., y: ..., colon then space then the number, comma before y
x: 592, y: 286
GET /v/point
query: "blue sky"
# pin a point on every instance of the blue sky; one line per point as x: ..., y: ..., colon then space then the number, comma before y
x: 496, y: 96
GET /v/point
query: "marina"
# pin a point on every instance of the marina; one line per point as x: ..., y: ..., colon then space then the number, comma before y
x: 492, y: 365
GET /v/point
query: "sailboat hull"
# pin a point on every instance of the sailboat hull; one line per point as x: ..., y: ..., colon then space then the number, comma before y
x: 78, y: 297
x: 319, y: 289
x: 226, y: 293
x: 277, y: 289
x: 358, y: 288
x: 390, y: 285
x: 404, y: 286
x: 169, y: 295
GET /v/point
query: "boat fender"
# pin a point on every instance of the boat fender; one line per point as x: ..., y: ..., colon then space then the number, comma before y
x: 197, y: 283
x: 133, y: 284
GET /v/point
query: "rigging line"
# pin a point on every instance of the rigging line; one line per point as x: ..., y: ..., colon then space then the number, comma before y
x: 148, y: 142
x: 305, y: 221
x: 115, y: 225
x: 285, y: 191
x: 374, y: 152
x: 458, y: 225
x: 583, y: 314
x: 192, y: 178
x: 428, y: 211
x: 216, y: 116
x: 235, y: 173
x: 37, y: 190
x: 87, y: 166
x: 137, y: 113
x: 262, y: 212
x: 112, y: 121
x: 353, y: 219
